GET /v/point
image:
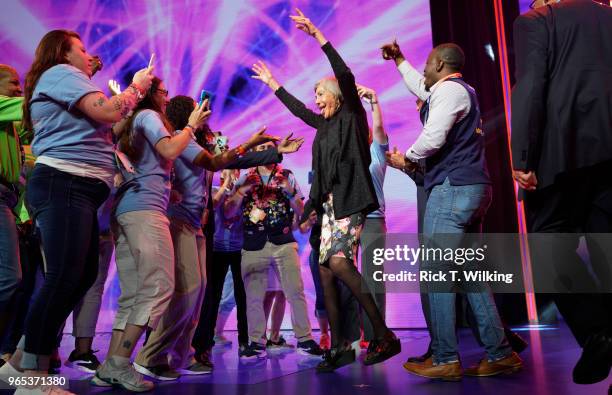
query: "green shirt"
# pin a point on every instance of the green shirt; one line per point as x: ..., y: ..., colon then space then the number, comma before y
x: 10, y: 149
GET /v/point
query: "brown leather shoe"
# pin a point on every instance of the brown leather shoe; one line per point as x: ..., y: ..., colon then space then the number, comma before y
x: 512, y: 363
x: 447, y: 372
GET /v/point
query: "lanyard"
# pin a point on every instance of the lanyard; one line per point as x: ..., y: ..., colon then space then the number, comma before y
x: 263, y: 188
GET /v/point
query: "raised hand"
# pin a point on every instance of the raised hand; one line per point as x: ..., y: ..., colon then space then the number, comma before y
x: 366, y: 93
x: 263, y: 73
x: 260, y: 137
x: 143, y: 78
x: 114, y: 87
x: 392, y: 51
x: 303, y: 23
x: 199, y: 115
x: 289, y: 145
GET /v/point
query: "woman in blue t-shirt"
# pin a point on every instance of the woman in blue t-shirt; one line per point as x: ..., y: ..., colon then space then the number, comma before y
x: 144, y: 252
x: 71, y: 118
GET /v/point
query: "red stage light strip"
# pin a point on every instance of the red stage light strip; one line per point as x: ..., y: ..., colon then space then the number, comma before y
x: 532, y: 312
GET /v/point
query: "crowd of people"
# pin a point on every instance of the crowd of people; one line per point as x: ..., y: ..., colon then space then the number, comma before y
x: 133, y: 173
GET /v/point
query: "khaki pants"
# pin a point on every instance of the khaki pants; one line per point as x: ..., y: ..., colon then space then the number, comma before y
x: 170, y: 342
x: 255, y: 267
x: 145, y: 263
x: 85, y: 314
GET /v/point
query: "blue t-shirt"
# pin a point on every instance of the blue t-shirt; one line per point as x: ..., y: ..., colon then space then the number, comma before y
x: 378, y: 168
x: 228, y: 231
x: 190, y: 182
x: 61, y: 131
x: 149, y: 187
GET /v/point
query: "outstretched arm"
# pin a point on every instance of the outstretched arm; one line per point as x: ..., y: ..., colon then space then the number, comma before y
x: 344, y: 75
x: 223, y: 160
x: 378, y: 130
x: 297, y: 108
x: 415, y: 82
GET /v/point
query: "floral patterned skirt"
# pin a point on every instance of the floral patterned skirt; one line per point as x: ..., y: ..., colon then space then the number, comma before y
x: 339, y: 237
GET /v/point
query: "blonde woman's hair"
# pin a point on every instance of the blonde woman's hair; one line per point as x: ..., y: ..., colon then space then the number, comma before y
x: 330, y: 84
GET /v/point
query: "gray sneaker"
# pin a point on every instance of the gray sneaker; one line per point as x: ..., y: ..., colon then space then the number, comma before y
x: 125, y: 377
x: 161, y: 372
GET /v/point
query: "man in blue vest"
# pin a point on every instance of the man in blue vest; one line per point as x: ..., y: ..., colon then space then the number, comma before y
x: 456, y: 178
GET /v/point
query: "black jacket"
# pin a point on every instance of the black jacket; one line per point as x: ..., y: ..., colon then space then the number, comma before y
x: 341, y: 150
x: 562, y: 100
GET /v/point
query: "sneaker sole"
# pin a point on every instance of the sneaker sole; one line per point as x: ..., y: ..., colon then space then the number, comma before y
x: 143, y: 370
x: 262, y: 355
x: 187, y: 372
x: 99, y: 382
x: 302, y: 351
x: 76, y: 365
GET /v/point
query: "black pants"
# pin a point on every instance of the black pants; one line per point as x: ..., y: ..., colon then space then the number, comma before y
x: 578, y: 204
x: 216, y: 270
x: 32, y: 268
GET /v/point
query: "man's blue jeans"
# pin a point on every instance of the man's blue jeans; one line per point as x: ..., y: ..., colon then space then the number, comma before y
x: 458, y: 210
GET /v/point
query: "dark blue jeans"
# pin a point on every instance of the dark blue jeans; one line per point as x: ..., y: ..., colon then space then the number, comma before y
x: 10, y: 269
x: 64, y: 208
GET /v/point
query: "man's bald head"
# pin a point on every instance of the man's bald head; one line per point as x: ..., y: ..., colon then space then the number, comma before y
x: 443, y: 60
x: 452, y: 55
x: 9, y: 81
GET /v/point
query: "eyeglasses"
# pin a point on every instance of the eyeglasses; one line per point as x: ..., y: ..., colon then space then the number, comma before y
x: 162, y: 91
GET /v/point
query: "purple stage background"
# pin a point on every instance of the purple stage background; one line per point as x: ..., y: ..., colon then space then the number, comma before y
x: 211, y: 45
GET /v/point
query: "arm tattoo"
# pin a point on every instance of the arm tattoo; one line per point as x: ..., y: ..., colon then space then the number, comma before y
x: 125, y: 102
x: 99, y: 102
x: 127, y: 344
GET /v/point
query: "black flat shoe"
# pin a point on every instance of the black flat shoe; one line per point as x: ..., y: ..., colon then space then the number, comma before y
x: 382, y: 349
x: 335, y: 358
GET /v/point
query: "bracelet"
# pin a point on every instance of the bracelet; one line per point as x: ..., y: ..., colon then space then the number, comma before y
x: 239, y: 193
x: 191, y: 131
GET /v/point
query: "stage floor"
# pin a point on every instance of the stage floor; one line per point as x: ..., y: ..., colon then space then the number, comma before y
x: 549, y: 360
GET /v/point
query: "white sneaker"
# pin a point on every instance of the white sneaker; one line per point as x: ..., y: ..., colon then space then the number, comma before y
x: 7, y: 370
x: 122, y: 376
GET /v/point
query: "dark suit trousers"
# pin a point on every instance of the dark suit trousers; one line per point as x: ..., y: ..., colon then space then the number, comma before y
x: 578, y: 204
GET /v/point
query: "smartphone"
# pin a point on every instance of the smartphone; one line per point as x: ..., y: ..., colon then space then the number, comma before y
x: 204, y: 95
x: 221, y: 142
